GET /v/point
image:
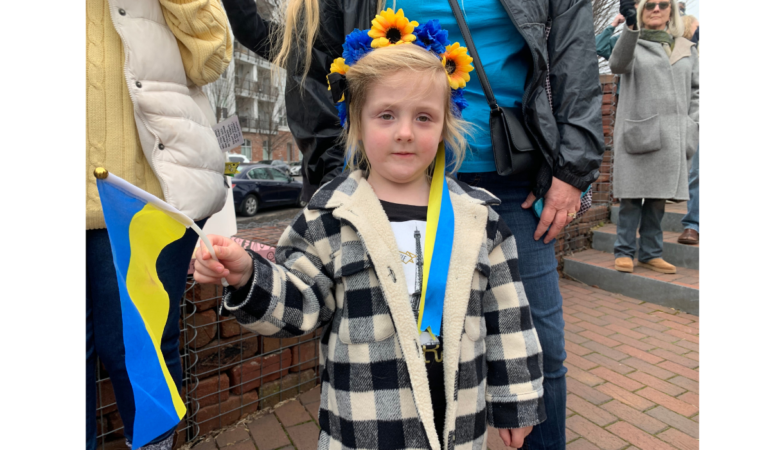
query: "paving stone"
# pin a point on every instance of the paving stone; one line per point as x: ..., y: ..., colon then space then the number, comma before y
x: 268, y: 433
x: 244, y: 445
x: 589, y: 411
x: 685, y: 383
x: 313, y: 410
x: 679, y: 439
x: 636, y: 436
x: 680, y: 370
x: 580, y: 444
x: 305, y: 436
x: 616, y: 378
x: 605, y: 350
x: 655, y: 383
x: 609, y: 363
x: 631, y: 415
x: 650, y: 369
x: 673, y: 419
x: 639, y: 354
x: 292, y: 413
x: 587, y: 393
x: 312, y: 396
x: 582, y: 375
x: 633, y: 400
x: 669, y: 402
x: 594, y: 434
x: 208, y: 444
x: 233, y: 436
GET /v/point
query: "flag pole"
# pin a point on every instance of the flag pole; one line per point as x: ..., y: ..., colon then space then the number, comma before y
x: 102, y: 174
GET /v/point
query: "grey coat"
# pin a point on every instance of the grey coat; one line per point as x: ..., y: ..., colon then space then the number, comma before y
x: 657, y: 120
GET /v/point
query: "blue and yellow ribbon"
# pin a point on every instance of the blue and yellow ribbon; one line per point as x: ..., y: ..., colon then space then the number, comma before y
x: 436, y: 264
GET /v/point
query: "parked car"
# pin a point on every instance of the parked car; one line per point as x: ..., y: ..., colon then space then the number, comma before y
x: 278, y: 164
x: 295, y: 168
x: 259, y: 185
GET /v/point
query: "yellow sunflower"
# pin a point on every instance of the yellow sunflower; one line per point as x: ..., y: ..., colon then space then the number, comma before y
x: 457, y: 63
x: 338, y: 66
x: 389, y: 28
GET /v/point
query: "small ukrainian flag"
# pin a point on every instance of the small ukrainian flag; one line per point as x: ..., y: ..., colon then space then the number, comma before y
x: 140, y: 226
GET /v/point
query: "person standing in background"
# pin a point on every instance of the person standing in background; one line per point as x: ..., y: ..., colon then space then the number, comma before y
x: 605, y: 41
x: 657, y: 127
x: 690, y: 235
x: 148, y: 58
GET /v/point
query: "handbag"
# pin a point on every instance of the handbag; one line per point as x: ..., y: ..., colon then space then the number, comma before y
x: 512, y: 150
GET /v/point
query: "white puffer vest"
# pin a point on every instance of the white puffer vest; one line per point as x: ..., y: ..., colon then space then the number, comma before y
x: 173, y: 120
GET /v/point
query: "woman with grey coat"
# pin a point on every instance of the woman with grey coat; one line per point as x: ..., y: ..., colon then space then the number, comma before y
x: 657, y: 127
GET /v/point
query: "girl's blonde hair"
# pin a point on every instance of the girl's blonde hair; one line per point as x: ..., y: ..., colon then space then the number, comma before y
x: 381, y: 63
x: 298, y: 22
x: 674, y: 24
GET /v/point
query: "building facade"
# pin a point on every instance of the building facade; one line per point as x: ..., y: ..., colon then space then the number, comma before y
x: 248, y: 90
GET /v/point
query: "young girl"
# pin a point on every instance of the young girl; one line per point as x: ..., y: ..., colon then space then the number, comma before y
x: 428, y: 336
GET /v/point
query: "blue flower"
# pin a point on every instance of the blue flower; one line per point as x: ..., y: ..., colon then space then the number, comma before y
x: 342, y: 112
x: 459, y: 103
x: 357, y: 44
x: 431, y: 36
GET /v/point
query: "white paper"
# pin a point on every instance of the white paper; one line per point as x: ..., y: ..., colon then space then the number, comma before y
x: 228, y: 133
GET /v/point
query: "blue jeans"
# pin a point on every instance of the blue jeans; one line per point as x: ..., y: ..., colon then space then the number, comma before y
x: 647, y: 215
x: 104, y: 325
x: 538, y: 269
x: 691, y: 220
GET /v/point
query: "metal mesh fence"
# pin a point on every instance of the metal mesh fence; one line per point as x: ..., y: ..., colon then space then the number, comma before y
x: 228, y: 372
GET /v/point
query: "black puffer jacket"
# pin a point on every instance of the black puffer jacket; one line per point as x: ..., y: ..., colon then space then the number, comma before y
x: 570, y: 137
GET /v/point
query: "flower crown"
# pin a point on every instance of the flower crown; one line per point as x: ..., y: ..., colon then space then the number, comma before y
x: 392, y: 28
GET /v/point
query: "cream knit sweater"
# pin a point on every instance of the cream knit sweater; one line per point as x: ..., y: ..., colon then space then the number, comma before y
x: 201, y: 29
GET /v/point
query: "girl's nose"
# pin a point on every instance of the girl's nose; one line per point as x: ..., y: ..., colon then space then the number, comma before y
x: 404, y: 131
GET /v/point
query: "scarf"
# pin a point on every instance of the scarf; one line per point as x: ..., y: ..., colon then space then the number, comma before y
x: 661, y: 36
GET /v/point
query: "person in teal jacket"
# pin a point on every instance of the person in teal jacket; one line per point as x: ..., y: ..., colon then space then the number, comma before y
x: 605, y: 41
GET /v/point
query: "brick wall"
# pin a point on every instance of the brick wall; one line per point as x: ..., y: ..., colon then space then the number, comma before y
x: 279, y: 145
x: 577, y: 236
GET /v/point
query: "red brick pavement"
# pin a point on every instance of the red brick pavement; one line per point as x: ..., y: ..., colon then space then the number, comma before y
x: 633, y: 380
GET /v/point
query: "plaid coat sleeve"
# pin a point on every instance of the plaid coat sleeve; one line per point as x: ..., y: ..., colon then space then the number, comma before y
x: 514, y: 360
x: 293, y: 296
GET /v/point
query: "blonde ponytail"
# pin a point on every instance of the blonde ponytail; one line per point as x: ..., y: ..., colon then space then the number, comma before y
x: 300, y: 19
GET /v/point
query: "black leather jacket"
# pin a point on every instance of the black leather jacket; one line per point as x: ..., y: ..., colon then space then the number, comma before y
x: 570, y: 137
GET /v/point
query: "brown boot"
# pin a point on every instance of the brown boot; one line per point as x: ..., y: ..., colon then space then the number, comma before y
x: 689, y: 237
x: 625, y: 264
x: 658, y: 265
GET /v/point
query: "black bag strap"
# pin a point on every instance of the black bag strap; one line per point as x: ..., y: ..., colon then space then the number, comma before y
x: 473, y: 50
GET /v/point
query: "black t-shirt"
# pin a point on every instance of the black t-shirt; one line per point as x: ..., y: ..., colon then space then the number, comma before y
x: 409, y: 225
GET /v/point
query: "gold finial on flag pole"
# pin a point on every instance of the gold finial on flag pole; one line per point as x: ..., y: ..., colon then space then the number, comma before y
x: 101, y: 173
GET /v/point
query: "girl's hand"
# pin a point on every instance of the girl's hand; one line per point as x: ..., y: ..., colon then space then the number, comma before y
x: 235, y: 265
x: 515, y: 438
x: 618, y: 20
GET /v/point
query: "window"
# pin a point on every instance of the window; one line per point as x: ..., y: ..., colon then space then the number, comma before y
x: 259, y: 174
x: 246, y: 149
x: 265, y: 150
x: 288, y: 151
x: 278, y: 176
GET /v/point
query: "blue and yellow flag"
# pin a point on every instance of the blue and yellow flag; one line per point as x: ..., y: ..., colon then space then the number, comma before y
x: 440, y: 223
x: 140, y: 226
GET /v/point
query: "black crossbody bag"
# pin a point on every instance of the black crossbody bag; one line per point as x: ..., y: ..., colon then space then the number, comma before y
x: 512, y: 150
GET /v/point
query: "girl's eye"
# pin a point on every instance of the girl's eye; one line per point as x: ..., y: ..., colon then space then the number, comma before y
x: 423, y: 118
x: 386, y: 116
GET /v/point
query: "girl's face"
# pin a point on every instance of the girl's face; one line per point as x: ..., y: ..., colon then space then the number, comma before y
x: 402, y: 124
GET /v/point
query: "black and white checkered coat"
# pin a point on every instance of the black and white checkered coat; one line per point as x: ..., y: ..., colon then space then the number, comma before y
x: 338, y: 267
